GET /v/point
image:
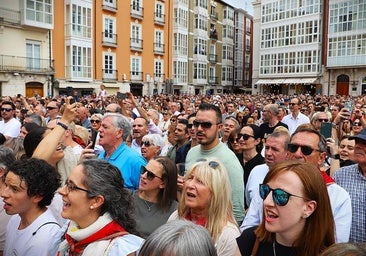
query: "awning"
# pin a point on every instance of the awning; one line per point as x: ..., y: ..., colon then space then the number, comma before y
x: 309, y: 80
x: 264, y: 81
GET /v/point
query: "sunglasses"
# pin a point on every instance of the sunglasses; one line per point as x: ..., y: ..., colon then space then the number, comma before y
x: 357, y: 124
x: 95, y: 121
x: 204, y: 125
x: 149, y: 175
x: 244, y: 136
x: 6, y: 109
x: 212, y: 164
x: 173, y: 120
x: 190, y: 126
x: 234, y: 140
x: 323, y: 120
x: 146, y: 143
x: 306, y: 150
x: 279, y: 196
x: 292, y: 104
x: 50, y: 108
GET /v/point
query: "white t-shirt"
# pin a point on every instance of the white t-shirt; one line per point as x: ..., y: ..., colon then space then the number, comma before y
x: 38, y: 239
x: 11, y: 128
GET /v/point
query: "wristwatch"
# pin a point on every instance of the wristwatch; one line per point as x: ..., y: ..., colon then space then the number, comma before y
x: 336, y: 156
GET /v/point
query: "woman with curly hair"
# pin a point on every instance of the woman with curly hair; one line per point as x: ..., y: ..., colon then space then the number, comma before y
x: 100, y: 211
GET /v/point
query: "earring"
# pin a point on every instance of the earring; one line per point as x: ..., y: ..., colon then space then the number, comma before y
x: 305, y: 216
x: 91, y: 207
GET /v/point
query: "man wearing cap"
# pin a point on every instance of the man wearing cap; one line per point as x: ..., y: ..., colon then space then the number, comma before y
x: 353, y: 179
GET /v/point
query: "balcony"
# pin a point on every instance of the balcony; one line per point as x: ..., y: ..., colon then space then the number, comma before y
x: 78, y: 73
x: 112, y: 7
x: 159, y: 77
x: 137, y: 11
x: 159, y: 18
x: 23, y: 64
x: 110, y: 75
x: 136, y: 44
x: 212, y: 58
x: 213, y: 34
x: 213, y: 80
x: 136, y: 76
x: 158, y: 48
x: 109, y: 39
x: 214, y: 16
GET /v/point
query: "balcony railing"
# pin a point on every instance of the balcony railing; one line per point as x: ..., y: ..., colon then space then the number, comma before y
x: 213, y: 80
x: 159, y: 18
x: 214, y: 15
x: 159, y: 77
x: 137, y: 11
x: 110, y: 6
x: 213, y: 58
x: 78, y: 73
x: 110, y: 75
x: 17, y: 63
x: 9, y: 16
x: 136, y: 44
x: 136, y: 75
x: 158, y: 48
x: 109, y: 38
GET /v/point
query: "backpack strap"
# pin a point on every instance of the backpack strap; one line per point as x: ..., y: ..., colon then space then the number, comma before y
x: 50, y: 222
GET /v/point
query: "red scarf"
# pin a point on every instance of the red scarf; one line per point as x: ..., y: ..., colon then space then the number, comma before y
x: 327, y: 179
x: 107, y: 232
x: 201, y: 221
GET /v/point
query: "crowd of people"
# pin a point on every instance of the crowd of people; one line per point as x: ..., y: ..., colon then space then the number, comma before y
x: 232, y: 174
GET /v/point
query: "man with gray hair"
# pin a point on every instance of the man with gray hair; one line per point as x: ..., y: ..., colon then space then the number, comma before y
x: 113, y: 133
x: 270, y: 120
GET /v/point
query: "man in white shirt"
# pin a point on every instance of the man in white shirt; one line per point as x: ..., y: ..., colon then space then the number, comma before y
x: 295, y: 118
x: 9, y: 126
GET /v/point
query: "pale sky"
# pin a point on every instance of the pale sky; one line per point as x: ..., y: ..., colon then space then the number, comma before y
x: 243, y: 4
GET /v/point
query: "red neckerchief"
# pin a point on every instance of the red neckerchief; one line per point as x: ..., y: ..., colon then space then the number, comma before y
x: 77, y: 247
x: 78, y: 140
x: 201, y: 221
x: 327, y: 179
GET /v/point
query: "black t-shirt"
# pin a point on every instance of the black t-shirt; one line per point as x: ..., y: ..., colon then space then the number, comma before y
x: 246, y: 243
x: 265, y: 129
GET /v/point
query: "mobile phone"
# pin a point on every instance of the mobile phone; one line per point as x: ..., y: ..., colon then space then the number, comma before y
x: 19, y: 95
x: 348, y: 105
x: 326, y: 129
x: 121, y: 95
x: 93, y: 139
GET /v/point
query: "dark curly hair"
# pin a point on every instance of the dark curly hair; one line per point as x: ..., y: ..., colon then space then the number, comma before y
x: 40, y: 177
x: 103, y: 178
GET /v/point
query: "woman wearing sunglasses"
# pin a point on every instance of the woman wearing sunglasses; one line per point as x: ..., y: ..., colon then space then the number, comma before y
x: 151, y: 146
x: 155, y: 199
x: 100, y: 211
x: 297, y: 215
x: 251, y: 146
x: 206, y: 201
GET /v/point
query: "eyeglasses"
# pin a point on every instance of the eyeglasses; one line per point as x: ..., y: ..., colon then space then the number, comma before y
x: 292, y: 104
x: 357, y: 124
x: 212, y: 164
x: 149, y: 175
x: 6, y: 109
x: 190, y: 126
x: 323, y: 120
x: 50, y: 108
x: 146, y: 143
x: 70, y: 186
x: 244, y: 136
x: 173, y: 120
x: 94, y: 121
x: 204, y: 125
x: 306, y: 150
x: 234, y: 140
x: 280, y: 196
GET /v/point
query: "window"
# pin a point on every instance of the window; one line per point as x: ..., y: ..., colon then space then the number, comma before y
x: 200, y: 46
x: 159, y: 11
x: 158, y: 70
x: 81, y: 21
x: 199, y: 70
x: 33, y: 49
x: 136, y: 68
x: 180, y: 44
x: 200, y: 22
x: 108, y: 28
x: 136, y: 35
x: 109, y: 71
x: 180, y: 71
x: 39, y: 11
x: 181, y: 17
x: 80, y: 61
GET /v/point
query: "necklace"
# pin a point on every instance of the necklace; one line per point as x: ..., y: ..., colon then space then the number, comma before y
x: 150, y: 205
x: 274, y: 247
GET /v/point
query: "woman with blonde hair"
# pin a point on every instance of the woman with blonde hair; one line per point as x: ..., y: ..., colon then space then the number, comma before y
x: 206, y: 201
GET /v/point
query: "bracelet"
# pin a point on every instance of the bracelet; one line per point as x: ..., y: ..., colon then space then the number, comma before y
x: 336, y: 156
x: 63, y: 125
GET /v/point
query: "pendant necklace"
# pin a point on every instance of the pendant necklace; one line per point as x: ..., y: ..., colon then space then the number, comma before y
x: 150, y: 205
x: 274, y: 247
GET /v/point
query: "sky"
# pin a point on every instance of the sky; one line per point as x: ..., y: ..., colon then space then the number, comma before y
x: 243, y: 4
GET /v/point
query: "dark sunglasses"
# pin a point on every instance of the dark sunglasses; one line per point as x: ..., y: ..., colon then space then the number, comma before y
x: 234, y: 140
x: 212, y: 164
x: 149, y: 175
x: 280, y: 196
x: 146, y: 143
x: 173, y: 120
x: 323, y: 120
x: 292, y: 104
x: 50, y: 108
x: 204, y: 125
x: 244, y: 136
x: 357, y: 124
x: 306, y: 150
x: 95, y: 121
x: 6, y: 109
x: 190, y: 126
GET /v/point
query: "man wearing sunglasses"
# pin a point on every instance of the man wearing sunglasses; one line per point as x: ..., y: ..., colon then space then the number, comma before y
x: 295, y: 118
x: 52, y: 111
x: 9, y: 126
x: 308, y: 145
x: 352, y: 178
x: 208, y: 124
